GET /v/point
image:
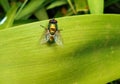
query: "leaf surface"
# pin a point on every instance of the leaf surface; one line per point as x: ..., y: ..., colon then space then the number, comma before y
x: 90, y: 54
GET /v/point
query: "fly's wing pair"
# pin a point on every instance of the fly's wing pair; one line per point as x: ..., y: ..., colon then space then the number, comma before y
x: 45, y: 37
x: 58, y: 38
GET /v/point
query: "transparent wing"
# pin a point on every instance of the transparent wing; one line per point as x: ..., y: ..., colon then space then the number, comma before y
x: 58, y: 38
x: 45, y: 37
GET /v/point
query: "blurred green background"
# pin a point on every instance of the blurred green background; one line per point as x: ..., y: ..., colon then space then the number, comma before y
x: 27, y: 11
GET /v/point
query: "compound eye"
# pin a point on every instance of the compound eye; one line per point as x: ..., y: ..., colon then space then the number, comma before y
x: 53, y: 21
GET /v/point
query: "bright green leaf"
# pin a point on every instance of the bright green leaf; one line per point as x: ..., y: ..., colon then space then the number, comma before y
x: 96, y: 6
x: 90, y: 54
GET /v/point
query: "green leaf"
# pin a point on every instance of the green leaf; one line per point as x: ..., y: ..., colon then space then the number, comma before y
x: 72, y: 6
x: 5, y: 5
x: 21, y: 7
x: 57, y: 3
x: 32, y: 6
x: 81, y: 5
x: 96, y: 6
x: 90, y: 54
x: 9, y: 18
x: 41, y: 14
x: 110, y: 2
x: 69, y: 12
x: 20, y: 22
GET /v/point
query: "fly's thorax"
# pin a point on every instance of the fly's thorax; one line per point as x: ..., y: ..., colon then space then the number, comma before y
x: 52, y: 28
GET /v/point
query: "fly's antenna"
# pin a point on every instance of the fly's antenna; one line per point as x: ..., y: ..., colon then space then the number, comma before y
x: 43, y: 26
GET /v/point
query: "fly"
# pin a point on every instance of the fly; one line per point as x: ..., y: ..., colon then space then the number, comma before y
x: 51, y: 34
